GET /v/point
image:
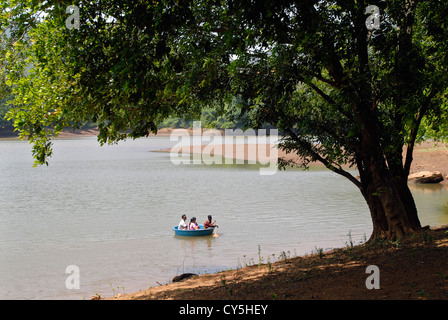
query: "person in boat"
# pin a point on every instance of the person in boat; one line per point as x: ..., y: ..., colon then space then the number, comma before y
x: 183, y: 223
x: 193, y: 224
x: 209, y: 224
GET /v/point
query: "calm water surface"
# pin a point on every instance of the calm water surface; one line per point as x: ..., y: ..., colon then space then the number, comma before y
x: 110, y: 211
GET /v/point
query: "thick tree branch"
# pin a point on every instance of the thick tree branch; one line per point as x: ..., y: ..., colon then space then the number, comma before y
x: 414, y: 132
x: 316, y: 156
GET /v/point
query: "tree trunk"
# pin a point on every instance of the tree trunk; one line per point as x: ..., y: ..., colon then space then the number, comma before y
x: 385, y: 189
x: 379, y: 222
x: 391, y: 204
x: 409, y: 204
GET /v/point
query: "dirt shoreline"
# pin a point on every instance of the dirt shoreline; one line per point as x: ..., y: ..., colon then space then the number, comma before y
x: 413, y: 270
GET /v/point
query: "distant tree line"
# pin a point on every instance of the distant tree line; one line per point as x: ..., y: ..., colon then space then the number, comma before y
x: 226, y: 117
x: 211, y: 118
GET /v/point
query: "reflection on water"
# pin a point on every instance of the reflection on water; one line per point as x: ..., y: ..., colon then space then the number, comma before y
x: 110, y: 211
x: 432, y: 203
x: 192, y: 249
x: 195, y: 245
x: 428, y: 188
x: 191, y: 240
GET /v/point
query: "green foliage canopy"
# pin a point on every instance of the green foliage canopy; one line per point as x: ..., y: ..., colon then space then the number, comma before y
x: 305, y: 67
x: 342, y: 93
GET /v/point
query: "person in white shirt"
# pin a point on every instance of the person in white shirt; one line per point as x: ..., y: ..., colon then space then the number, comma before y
x: 182, y: 223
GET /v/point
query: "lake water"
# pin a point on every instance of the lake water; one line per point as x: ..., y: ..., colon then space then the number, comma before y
x: 110, y: 210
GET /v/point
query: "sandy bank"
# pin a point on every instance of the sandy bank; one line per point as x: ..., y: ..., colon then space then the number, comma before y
x: 426, y: 157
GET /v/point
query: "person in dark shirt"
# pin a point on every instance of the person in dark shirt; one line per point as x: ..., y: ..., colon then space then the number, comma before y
x: 209, y: 224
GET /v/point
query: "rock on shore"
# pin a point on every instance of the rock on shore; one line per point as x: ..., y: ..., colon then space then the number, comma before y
x: 426, y: 177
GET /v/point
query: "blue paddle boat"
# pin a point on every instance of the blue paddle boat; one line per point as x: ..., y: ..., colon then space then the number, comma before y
x: 193, y: 233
